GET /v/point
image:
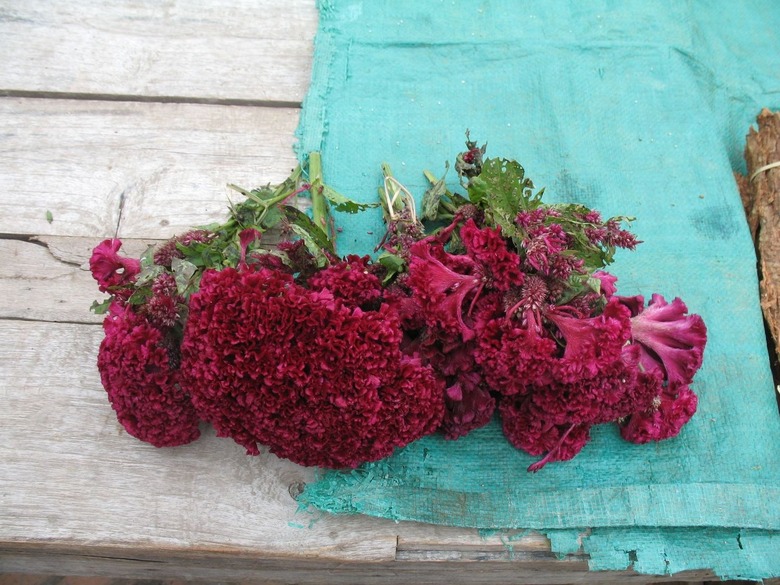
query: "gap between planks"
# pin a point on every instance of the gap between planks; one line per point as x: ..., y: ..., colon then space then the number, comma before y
x: 162, y: 99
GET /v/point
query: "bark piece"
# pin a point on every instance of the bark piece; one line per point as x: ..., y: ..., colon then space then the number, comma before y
x: 760, y: 190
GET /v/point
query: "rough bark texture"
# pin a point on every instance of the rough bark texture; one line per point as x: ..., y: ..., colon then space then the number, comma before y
x: 760, y: 192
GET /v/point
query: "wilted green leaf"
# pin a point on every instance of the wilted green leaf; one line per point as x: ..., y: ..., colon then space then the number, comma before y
x: 343, y: 203
x: 394, y: 265
x: 148, y: 274
x: 432, y: 197
x: 303, y: 226
x: 147, y: 258
x: 100, y: 308
x: 140, y: 296
x: 183, y: 272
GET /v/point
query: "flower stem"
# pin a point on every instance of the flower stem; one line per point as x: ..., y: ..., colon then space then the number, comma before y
x: 319, y: 205
x: 534, y: 467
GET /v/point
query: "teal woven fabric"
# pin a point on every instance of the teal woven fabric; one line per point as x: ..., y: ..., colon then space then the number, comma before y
x: 634, y: 107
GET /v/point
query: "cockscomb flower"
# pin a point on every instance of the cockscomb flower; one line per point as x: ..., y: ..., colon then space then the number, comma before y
x: 163, y: 307
x: 526, y: 428
x: 352, y: 280
x: 319, y: 382
x: 468, y: 406
x: 617, y: 391
x: 441, y: 291
x: 546, y: 244
x: 487, y: 247
x: 110, y: 269
x: 136, y: 369
x: 592, y: 344
x: 607, y: 282
x: 670, y: 338
x: 513, y: 357
x: 617, y: 237
x: 664, y: 419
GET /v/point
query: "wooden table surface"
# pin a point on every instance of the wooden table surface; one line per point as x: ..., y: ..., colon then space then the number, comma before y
x: 128, y: 118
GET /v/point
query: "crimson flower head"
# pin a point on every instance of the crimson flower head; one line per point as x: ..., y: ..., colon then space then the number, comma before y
x: 246, y: 238
x: 513, y: 358
x: 442, y: 289
x: 136, y: 365
x: 469, y: 406
x: 592, y: 344
x: 664, y: 419
x: 317, y: 381
x: 669, y: 338
x: 607, y: 281
x: 110, y: 269
x: 487, y: 247
x: 528, y: 428
x: 351, y: 280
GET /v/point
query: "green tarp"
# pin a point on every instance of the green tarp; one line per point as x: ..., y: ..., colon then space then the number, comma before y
x: 633, y: 108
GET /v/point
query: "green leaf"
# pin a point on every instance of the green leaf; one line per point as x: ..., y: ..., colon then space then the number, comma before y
x: 140, y: 296
x: 432, y: 197
x: 260, y: 195
x: 148, y: 274
x: 49, y: 216
x: 503, y: 190
x: 392, y: 262
x: 594, y: 284
x: 394, y: 265
x: 316, y: 240
x: 101, y: 308
x: 147, y: 258
x: 343, y: 203
x: 271, y: 219
x: 183, y: 272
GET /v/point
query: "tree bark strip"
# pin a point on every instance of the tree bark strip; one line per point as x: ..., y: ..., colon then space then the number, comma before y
x: 760, y: 192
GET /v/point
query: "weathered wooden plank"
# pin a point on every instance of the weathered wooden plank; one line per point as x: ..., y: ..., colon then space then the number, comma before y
x: 225, y: 569
x: 165, y: 166
x: 36, y: 285
x: 254, y: 50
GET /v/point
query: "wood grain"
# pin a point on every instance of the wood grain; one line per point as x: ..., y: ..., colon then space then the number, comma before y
x: 150, y: 170
x: 205, y: 567
x: 203, y: 49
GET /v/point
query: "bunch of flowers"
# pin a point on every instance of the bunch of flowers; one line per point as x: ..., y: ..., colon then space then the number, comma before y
x: 491, y: 303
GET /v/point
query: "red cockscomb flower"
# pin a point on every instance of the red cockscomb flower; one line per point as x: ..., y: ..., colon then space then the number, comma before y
x: 134, y: 362
x: 664, y: 419
x: 469, y: 406
x: 487, y: 247
x: 351, y: 280
x: 526, y: 428
x: 271, y: 363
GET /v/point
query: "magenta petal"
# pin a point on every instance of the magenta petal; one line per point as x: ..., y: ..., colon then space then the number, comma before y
x: 670, y: 338
x: 110, y: 269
